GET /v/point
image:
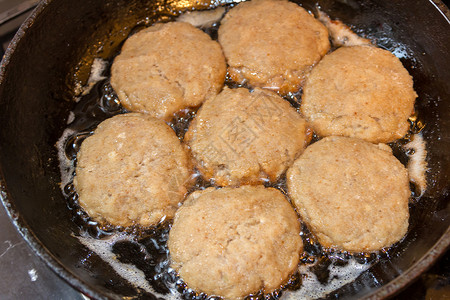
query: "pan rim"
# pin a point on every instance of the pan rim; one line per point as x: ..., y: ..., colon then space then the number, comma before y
x: 408, y: 277
x: 17, y: 220
x: 390, y: 289
x: 440, y: 247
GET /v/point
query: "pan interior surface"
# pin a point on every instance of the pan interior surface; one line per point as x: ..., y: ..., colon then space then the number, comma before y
x: 52, y: 56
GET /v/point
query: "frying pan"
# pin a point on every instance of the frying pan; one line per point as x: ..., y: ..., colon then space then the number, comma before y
x: 52, y: 53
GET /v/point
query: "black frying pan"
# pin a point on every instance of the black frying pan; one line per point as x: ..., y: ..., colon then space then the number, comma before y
x: 53, y: 51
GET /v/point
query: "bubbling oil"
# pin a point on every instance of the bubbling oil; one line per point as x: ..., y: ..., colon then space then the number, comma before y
x: 141, y: 256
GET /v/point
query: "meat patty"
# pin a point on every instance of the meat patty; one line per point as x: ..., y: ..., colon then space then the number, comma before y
x: 352, y: 194
x: 243, y: 137
x: 168, y: 67
x: 132, y: 171
x: 272, y: 44
x: 359, y: 91
x: 232, y: 242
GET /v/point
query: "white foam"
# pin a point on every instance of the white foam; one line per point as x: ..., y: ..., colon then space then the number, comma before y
x: 71, y: 117
x: 341, y: 34
x: 129, y: 272
x: 400, y: 51
x: 97, y: 69
x: 417, y: 165
x: 33, y: 274
x: 311, y: 288
x: 339, y: 276
x: 204, y: 18
x: 66, y: 166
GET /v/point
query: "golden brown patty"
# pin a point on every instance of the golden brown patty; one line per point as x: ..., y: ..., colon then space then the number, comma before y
x: 272, y: 44
x: 240, y: 137
x: 235, y: 241
x: 132, y: 170
x: 359, y: 91
x: 168, y: 67
x: 352, y: 194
